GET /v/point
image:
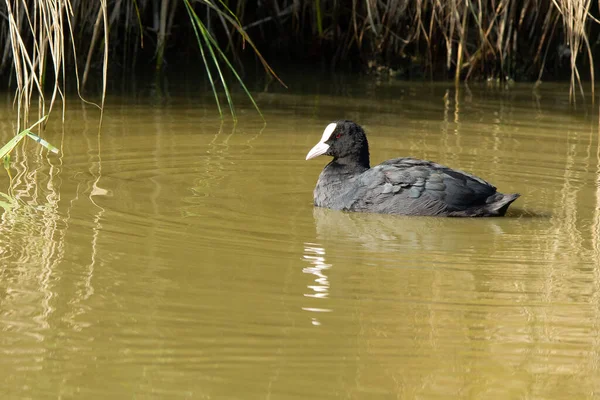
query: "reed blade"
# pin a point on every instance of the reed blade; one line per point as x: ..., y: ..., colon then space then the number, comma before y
x: 12, y: 143
x: 240, y: 80
x: 42, y: 142
x: 195, y: 23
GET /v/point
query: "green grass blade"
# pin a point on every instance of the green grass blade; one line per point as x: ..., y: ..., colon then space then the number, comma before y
x: 8, y: 147
x: 42, y: 142
x: 319, y: 18
x: 213, y: 46
x: 195, y: 22
x: 226, y: 8
x: 210, y: 43
x: 241, y: 31
x: 139, y: 21
x: 224, y: 57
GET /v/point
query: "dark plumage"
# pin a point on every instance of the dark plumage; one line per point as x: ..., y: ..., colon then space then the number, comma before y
x: 404, y: 186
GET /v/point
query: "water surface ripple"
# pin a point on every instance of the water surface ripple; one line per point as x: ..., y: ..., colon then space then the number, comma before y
x: 175, y: 256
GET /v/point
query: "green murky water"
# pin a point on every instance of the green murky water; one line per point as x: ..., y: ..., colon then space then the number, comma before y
x: 172, y: 256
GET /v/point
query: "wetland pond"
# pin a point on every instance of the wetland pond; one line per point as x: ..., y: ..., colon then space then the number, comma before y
x: 175, y: 256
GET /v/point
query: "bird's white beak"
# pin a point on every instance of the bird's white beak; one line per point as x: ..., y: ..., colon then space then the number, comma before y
x: 322, y: 147
x: 319, y: 149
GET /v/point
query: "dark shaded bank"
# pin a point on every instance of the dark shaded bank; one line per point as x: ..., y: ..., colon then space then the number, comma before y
x: 505, y: 39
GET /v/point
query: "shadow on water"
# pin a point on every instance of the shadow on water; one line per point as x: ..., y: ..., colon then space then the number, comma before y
x: 406, y: 233
x: 516, y: 212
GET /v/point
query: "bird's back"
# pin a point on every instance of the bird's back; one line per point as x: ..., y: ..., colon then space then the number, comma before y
x: 410, y: 186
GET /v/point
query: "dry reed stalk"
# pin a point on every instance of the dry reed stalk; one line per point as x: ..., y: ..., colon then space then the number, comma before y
x: 469, y: 37
x: 505, y: 29
x: 574, y: 15
x: 37, y: 38
x: 461, y: 46
x: 162, y: 33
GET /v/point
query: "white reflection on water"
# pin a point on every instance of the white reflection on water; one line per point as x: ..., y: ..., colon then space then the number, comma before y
x: 315, y: 255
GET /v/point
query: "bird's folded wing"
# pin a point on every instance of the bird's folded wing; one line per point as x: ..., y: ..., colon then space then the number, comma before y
x: 425, y: 182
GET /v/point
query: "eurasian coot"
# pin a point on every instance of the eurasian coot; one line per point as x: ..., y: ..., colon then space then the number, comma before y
x: 404, y: 186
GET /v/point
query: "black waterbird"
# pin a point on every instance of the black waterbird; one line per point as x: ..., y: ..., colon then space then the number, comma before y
x: 405, y: 186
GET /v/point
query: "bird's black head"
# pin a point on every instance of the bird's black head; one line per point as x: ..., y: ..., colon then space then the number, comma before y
x: 345, y: 141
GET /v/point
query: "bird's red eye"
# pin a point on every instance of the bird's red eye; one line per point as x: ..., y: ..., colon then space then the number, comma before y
x: 339, y: 135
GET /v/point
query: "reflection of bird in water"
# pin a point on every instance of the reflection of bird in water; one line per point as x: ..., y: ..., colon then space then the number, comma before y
x: 408, y: 234
x: 319, y: 287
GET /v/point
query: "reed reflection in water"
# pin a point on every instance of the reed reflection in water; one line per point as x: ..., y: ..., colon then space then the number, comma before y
x: 173, y: 255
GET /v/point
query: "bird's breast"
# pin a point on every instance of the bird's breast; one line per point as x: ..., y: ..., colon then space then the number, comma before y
x: 332, y: 188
